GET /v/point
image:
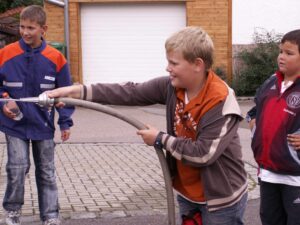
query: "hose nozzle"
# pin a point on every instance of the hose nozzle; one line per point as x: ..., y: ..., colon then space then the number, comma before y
x: 45, y: 101
x: 42, y: 100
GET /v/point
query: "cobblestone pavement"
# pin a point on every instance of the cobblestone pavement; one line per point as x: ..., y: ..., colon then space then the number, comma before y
x: 105, y: 180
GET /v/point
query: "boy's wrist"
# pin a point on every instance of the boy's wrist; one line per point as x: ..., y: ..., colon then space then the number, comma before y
x: 248, y: 118
x: 158, y: 144
x: 79, y: 91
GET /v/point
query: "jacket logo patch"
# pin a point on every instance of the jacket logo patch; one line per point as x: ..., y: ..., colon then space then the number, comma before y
x: 293, y: 100
x: 49, y: 78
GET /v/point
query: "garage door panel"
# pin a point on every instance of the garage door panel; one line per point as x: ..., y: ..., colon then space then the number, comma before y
x: 122, y: 42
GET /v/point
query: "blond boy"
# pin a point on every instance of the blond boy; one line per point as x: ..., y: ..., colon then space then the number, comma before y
x: 202, y: 144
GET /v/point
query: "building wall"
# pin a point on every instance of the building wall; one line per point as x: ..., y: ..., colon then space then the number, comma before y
x: 55, y: 22
x: 55, y: 19
x: 214, y: 16
x: 75, y: 43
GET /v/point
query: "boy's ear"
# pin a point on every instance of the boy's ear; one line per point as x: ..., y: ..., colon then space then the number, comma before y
x: 45, y: 28
x: 200, y: 65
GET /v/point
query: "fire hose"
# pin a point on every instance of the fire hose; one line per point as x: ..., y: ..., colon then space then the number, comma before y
x: 140, y: 126
x: 44, y: 101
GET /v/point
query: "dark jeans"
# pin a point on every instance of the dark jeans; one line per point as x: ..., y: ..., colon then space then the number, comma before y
x: 18, y: 164
x: 280, y: 204
x: 231, y: 215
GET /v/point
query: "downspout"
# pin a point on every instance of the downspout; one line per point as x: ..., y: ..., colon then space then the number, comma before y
x: 65, y: 5
x: 67, y: 31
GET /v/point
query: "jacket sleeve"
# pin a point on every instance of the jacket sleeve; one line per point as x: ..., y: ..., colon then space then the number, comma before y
x: 213, y: 138
x: 151, y: 92
x: 2, y: 89
x: 251, y: 114
x: 64, y: 79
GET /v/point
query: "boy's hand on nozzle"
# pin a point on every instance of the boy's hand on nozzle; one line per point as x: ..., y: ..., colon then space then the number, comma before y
x: 50, y: 94
x: 148, y: 135
x: 73, y: 91
x: 294, y: 140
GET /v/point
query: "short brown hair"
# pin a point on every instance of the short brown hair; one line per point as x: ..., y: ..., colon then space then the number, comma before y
x: 293, y: 37
x: 34, y: 13
x: 194, y: 43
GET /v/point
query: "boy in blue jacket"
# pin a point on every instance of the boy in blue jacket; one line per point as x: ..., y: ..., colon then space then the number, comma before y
x: 275, y: 121
x: 28, y: 68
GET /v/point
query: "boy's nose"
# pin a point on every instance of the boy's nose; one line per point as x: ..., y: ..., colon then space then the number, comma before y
x: 25, y: 32
x: 168, y: 68
x: 281, y: 56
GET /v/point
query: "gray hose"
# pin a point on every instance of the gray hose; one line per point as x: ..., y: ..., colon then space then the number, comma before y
x: 140, y: 126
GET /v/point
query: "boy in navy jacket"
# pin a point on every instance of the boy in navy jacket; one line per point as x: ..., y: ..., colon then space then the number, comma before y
x: 28, y: 68
x: 275, y: 121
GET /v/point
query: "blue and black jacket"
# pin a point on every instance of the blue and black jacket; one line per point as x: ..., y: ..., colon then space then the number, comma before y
x: 27, y: 72
x: 277, y: 115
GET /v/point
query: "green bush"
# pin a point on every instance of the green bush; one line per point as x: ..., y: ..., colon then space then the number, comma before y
x: 220, y: 71
x: 6, y: 5
x: 258, y: 63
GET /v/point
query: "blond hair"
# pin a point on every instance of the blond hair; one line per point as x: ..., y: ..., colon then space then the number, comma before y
x: 34, y: 13
x: 193, y: 43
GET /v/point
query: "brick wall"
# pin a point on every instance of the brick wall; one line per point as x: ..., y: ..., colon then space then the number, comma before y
x: 55, y: 22
x: 214, y: 16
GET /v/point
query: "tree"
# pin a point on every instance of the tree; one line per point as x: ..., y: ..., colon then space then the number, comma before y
x: 6, y: 4
x: 258, y: 62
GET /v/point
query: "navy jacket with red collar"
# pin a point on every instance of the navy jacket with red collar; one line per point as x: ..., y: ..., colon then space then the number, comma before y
x: 277, y: 115
x: 27, y: 72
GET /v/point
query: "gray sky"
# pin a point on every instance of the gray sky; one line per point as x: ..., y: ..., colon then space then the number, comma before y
x: 278, y: 15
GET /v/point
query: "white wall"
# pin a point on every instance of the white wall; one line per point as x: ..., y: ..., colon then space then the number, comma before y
x: 278, y: 15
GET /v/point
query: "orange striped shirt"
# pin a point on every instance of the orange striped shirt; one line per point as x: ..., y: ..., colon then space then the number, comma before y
x: 187, y: 116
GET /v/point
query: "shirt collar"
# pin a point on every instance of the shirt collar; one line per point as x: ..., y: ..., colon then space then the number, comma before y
x: 27, y: 48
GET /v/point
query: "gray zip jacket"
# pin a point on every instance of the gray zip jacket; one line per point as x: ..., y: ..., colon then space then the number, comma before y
x: 217, y: 150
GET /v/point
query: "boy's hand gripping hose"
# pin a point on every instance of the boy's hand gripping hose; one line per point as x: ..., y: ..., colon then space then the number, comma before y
x: 140, y: 126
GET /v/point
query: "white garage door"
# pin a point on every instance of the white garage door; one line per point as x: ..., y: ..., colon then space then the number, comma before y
x: 125, y: 42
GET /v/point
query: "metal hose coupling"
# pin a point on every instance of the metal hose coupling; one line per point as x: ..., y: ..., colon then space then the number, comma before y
x: 45, y: 101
